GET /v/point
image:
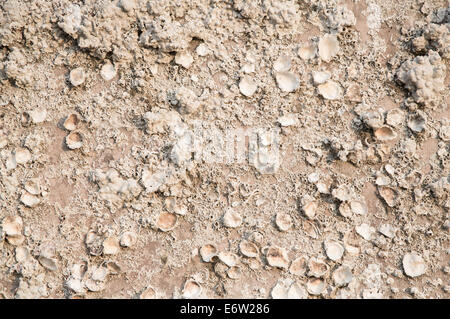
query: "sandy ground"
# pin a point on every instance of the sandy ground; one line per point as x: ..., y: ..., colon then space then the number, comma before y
x: 224, y: 149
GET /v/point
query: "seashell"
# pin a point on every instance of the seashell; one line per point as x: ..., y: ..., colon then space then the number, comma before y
x: 108, y: 71
x: 128, y: 239
x: 111, y: 246
x: 202, y: 49
x: 75, y: 285
x: 208, y: 252
x: 220, y: 269
x: 389, y: 169
x: 47, y: 263
x: 297, y: 291
x: 444, y: 132
x: 345, y: 210
x: 311, y: 230
x: 22, y: 156
x: 277, y: 257
x: 358, y: 207
x: 315, y: 286
x: 148, y: 293
x: 256, y: 237
x: 388, y: 194
x: 385, y: 133
x: 330, y: 90
x: 353, y: 93
x: 382, y: 180
x: 414, y: 265
x: 365, y: 231
x: 184, y: 59
x: 32, y: 186
x: 232, y: 219
x: 342, y: 276
x: 279, y: 291
x: 191, y: 289
x: 283, y: 221
x: 113, y: 268
x: 282, y: 64
x: 94, y: 286
x: 307, y: 52
x: 228, y: 258
x: 334, y: 250
x: 248, y: 68
x: 247, y: 86
x: 71, y: 122
x: 351, y: 243
x: 77, y: 76
x: 12, y: 225
x: 234, y: 272
x: 298, y: 266
x: 341, y: 193
x: 287, y: 81
x: 288, y: 120
x: 373, y: 119
x: 418, y: 122
x: 29, y: 200
x: 310, y: 209
x: 320, y: 77
x: 36, y: 116
x: 15, y: 240
x: 22, y: 254
x: 166, y: 221
x: 328, y: 47
x: 99, y: 273
x: 317, y: 268
x: 248, y: 249
x: 173, y: 207
x: 387, y: 230
x: 74, y: 140
x: 395, y: 117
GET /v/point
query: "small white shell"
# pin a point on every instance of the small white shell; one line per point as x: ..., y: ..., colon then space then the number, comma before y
x: 334, y: 250
x: 247, y: 86
x: 277, y: 257
x: 310, y: 209
x: 234, y: 272
x: 208, y: 252
x: 192, y: 289
x: 283, y: 221
x: 22, y: 254
x: 288, y: 120
x: 282, y: 64
x: 387, y: 230
x: 385, y: 133
x: 12, y: 225
x: 418, y: 122
x: 320, y: 77
x: 388, y: 194
x: 330, y: 90
x: 71, y: 122
x: 108, y: 71
x: 317, y: 267
x: 22, y: 156
x: 29, y: 200
x: 128, y: 239
x: 166, y: 221
x: 32, y: 186
x: 74, y: 140
x: 232, y: 219
x: 342, y: 276
x: 315, y: 286
x: 297, y: 291
x: 111, y: 246
x: 345, y: 210
x: 328, y: 47
x: 148, y: 293
x: 299, y: 266
x: 365, y: 231
x: 202, y: 49
x: 38, y: 115
x: 287, y: 81
x: 184, y: 59
x: 279, y: 291
x: 47, y: 263
x: 77, y: 76
x: 307, y: 52
x: 248, y: 249
x: 228, y: 258
x: 358, y: 207
x: 395, y: 117
x: 414, y: 265
x: 15, y: 240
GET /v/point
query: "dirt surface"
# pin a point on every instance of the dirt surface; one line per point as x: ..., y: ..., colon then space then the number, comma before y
x: 224, y: 149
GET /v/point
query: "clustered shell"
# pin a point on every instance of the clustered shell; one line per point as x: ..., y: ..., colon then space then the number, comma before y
x: 414, y: 265
x: 232, y: 219
x: 277, y: 257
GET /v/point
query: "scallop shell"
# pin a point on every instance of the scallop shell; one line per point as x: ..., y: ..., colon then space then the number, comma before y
x: 328, y: 47
x: 282, y: 64
x: 74, y: 140
x: 385, y: 133
x: 192, y: 289
x: 388, y: 194
x: 77, y: 76
x: 277, y: 257
x: 208, y: 252
x: 228, y: 258
x: 395, y: 117
x: 12, y: 225
x: 148, y: 293
x: 32, y: 186
x: 128, y: 239
x: 297, y: 291
x: 317, y: 268
x: 232, y: 219
x: 283, y: 221
x: 71, y: 122
x: 111, y: 246
x: 307, y: 52
x: 234, y: 272
x: 414, y: 265
x: 184, y: 59
x: 248, y: 249
x: 310, y: 209
x: 320, y: 77
x: 334, y: 250
x: 315, y: 286
x: 108, y: 71
x: 47, y: 263
x: 22, y: 156
x: 279, y: 291
x: 330, y: 90
x: 166, y: 221
x: 247, y: 86
x: 287, y: 81
x: 418, y: 122
x: 299, y: 266
x: 29, y: 200
x: 342, y: 276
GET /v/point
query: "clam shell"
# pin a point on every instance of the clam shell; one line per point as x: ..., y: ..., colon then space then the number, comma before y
x: 202, y: 49
x: 128, y: 239
x: 77, y: 76
x: 232, y: 219
x: 345, y: 210
x: 29, y: 200
x: 310, y: 209
x: 385, y: 133
x: 228, y: 258
x: 277, y: 257
x: 307, y: 52
x: 387, y: 230
x: 299, y: 266
x: 297, y: 291
x: 330, y: 90
x: 334, y: 250
x: 71, y: 122
x: 395, y: 117
x: 12, y: 225
x: 418, y: 122
x: 111, y: 246
x: 414, y: 265
x: 48, y: 263
x: 279, y: 291
x: 320, y: 77
x: 317, y: 268
x: 192, y: 289
x: 365, y: 231
x: 184, y: 59
x: 247, y: 86
x: 248, y: 249
x: 328, y: 47
x: 358, y: 207
x: 15, y: 240
x: 166, y: 221
x: 208, y: 252
x: 342, y: 276
x: 74, y: 140
x: 234, y: 272
x: 22, y: 156
x: 22, y: 254
x: 288, y: 120
x: 108, y: 71
x: 282, y: 64
x: 283, y: 221
x: 32, y: 186
x: 388, y: 194
x: 37, y: 116
x: 287, y: 81
x: 315, y: 286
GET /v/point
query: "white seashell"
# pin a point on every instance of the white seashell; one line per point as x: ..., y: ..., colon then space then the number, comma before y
x: 341, y: 193
x: 74, y: 140
x: 184, y: 59
x: 328, y: 47
x: 111, y: 246
x: 287, y: 81
x: 277, y: 257
x: 77, y: 76
x: 414, y: 265
x: 283, y: 221
x: 228, y: 258
x: 29, y: 200
x: 99, y: 273
x: 395, y: 117
x: 345, y: 210
x: 288, y: 120
x: 444, y: 132
x: 148, y: 293
x: 166, y: 221
x: 385, y: 133
x: 208, y: 252
x: 307, y: 52
x: 297, y: 291
x: 71, y: 122
x: 38, y: 115
x: 128, y: 239
x: 310, y: 209
x: 365, y: 231
x: 282, y: 64
x: 334, y: 250
x: 76, y: 285
x: 330, y: 90
x: 279, y: 291
x: 418, y: 122
x: 32, y: 186
x: 389, y: 169
x: 358, y: 207
x: 387, y: 230
x: 248, y: 249
x: 173, y: 207
x: 317, y: 268
x: 299, y: 266
x: 342, y: 276
x: 15, y: 240
x: 388, y: 194
x: 22, y: 254
x: 248, y: 68
x: 320, y: 77
x: 247, y: 86
x: 202, y: 49
x: 108, y: 71
x: 382, y: 180
x: 47, y: 263
x: 192, y: 289
x: 12, y: 225
x: 232, y: 219
x: 234, y: 272
x: 315, y: 286
x: 94, y: 286
x: 22, y: 156
x: 373, y: 119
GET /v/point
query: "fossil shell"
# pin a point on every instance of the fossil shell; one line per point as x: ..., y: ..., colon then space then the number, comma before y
x: 113, y: 268
x: 12, y: 225
x: 342, y: 276
x: 47, y: 263
x: 414, y: 265
x: 108, y: 71
x: 283, y: 221
x: 232, y: 219
x: 288, y: 120
x: 299, y: 266
x: 315, y: 286
x: 208, y: 252
x: 128, y: 239
x: 77, y: 76
x: 307, y: 52
x: 387, y: 230
x: 192, y: 289
x: 71, y: 122
x: 373, y: 119
x: 148, y: 293
x: 328, y: 47
x: 247, y: 86
x: 111, y: 246
x: 358, y: 207
x: 317, y: 267
x: 15, y: 240
x: 248, y: 249
x: 365, y: 231
x: 234, y: 272
x: 297, y: 291
x: 345, y: 210
x: 277, y: 257
x: 320, y: 77
x: 287, y: 81
x: 32, y: 186
x: 202, y: 49
x: 74, y: 140
x: 29, y: 200
x: 22, y: 156
x: 330, y: 90
x: 334, y: 250
x: 184, y: 59
x: 37, y: 115
x: 282, y: 64
x: 99, y: 273
x: 166, y: 221
x: 385, y: 133
x: 228, y: 258
x: 418, y: 122
x: 173, y: 207
x: 279, y: 291
x: 395, y: 117
x: 388, y: 194
x: 310, y: 209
